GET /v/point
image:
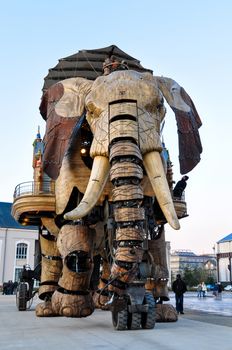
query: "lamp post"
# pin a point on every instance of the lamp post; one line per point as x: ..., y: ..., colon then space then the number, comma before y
x: 217, y: 263
x: 229, y: 267
x: 214, y: 251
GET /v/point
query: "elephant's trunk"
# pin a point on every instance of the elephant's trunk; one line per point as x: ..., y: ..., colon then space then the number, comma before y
x: 125, y: 174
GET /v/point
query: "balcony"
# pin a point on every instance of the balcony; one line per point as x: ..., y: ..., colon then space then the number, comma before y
x: 33, y: 200
x: 180, y: 208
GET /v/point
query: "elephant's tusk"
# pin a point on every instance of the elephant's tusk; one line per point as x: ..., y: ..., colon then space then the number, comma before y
x: 155, y: 171
x: 97, y: 181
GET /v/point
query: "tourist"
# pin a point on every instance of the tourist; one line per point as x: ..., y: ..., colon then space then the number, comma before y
x: 204, y: 289
x: 199, y: 290
x: 180, y: 187
x: 179, y: 288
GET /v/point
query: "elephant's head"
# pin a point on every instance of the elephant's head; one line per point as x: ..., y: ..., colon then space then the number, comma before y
x: 124, y: 111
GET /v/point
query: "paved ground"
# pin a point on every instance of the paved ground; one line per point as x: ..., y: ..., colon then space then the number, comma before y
x: 209, y: 310
x: 210, y: 304
x: 209, y: 330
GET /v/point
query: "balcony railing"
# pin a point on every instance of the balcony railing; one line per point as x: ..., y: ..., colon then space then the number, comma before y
x: 34, y: 188
x: 182, y: 198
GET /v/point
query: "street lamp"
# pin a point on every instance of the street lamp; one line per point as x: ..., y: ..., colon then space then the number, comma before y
x: 213, y: 250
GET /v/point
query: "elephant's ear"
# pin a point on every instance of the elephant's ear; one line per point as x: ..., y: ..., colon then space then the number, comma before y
x: 188, y: 123
x: 62, y: 106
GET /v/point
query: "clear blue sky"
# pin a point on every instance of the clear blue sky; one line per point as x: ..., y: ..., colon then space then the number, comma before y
x: 189, y: 41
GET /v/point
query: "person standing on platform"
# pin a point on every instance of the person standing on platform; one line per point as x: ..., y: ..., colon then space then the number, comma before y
x: 180, y: 187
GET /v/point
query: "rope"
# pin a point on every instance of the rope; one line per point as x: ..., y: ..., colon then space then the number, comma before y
x: 90, y: 63
x: 110, y: 282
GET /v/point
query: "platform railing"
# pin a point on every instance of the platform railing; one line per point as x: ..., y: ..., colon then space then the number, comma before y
x: 182, y: 198
x: 34, y: 188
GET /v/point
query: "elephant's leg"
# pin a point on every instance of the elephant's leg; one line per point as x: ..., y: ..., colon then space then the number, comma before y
x: 51, y: 267
x: 73, y: 298
x: 157, y: 248
x: 101, y: 296
x: 126, y: 174
x: 101, y: 272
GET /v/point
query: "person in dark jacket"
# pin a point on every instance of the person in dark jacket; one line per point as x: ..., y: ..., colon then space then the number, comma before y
x: 15, y: 286
x: 10, y: 287
x: 179, y: 288
x: 4, y: 288
x: 180, y: 187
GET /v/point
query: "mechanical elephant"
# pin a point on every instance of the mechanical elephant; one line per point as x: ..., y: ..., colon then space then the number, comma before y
x: 104, y: 151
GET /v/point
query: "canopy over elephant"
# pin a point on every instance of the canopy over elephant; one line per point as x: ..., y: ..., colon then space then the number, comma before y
x: 113, y: 186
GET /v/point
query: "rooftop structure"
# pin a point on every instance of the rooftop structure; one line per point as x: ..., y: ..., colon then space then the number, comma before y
x: 227, y: 238
x: 224, y: 259
x: 7, y: 220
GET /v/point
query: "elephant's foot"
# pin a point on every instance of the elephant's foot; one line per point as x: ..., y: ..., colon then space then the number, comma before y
x: 72, y: 299
x: 101, y: 300
x: 44, y: 309
x: 72, y: 305
x: 166, y: 313
x: 122, y: 273
x: 117, y: 290
x: 161, y: 290
x: 101, y: 296
x: 46, y: 289
x: 51, y: 266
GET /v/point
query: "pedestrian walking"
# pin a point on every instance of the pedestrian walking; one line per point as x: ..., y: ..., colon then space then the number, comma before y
x: 199, y: 290
x: 218, y: 290
x: 4, y: 288
x: 215, y: 290
x: 204, y: 289
x: 179, y: 288
x: 15, y: 286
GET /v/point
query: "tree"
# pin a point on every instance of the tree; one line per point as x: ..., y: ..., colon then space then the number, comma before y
x: 190, y: 277
x: 210, y: 280
x: 197, y: 275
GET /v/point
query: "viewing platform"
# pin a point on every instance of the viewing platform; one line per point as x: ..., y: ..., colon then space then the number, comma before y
x: 33, y: 200
x: 180, y: 207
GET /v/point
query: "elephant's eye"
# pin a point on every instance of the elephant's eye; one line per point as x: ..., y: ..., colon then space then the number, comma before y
x: 160, y: 105
x: 174, y: 88
x: 93, y: 110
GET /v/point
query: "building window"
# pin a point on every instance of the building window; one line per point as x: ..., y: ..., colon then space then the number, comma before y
x: 18, y: 272
x: 21, y: 251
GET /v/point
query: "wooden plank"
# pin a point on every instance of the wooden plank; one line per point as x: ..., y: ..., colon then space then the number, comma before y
x: 124, y: 128
x: 129, y: 214
x: 123, y: 108
x: 125, y: 148
x: 129, y: 254
x: 125, y: 169
x: 127, y: 192
x: 130, y: 234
